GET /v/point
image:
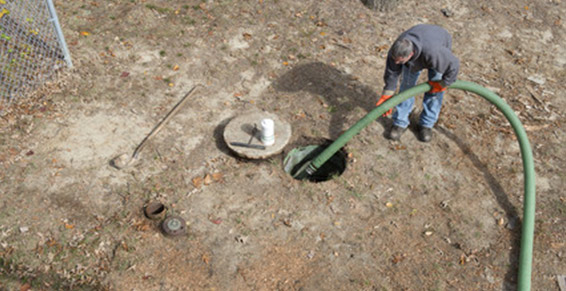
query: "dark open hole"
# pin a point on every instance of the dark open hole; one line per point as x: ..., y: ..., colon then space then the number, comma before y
x: 299, y: 156
x: 154, y: 209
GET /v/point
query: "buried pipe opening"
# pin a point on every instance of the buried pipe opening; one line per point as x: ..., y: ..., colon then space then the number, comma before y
x: 298, y: 157
x: 155, y: 210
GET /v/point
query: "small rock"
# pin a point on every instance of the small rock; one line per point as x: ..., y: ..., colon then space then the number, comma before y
x: 241, y: 239
x: 446, y: 12
x: 489, y: 276
x: 537, y: 79
x: 310, y: 255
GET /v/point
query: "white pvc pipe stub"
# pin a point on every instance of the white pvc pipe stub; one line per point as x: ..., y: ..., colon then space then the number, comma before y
x: 267, y: 132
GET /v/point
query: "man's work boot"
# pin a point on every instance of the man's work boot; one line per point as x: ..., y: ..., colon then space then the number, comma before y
x: 396, y: 132
x: 425, y: 133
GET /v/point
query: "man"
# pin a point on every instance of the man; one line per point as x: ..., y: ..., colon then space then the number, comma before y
x: 423, y: 46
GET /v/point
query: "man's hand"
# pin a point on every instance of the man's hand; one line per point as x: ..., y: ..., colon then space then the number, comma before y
x: 383, y: 99
x: 436, y: 87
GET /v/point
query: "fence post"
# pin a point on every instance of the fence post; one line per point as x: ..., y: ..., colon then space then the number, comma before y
x: 60, y: 35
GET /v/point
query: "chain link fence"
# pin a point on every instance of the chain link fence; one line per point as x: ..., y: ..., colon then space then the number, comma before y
x: 32, y: 46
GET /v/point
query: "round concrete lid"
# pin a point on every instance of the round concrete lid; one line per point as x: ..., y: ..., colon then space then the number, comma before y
x: 243, y: 135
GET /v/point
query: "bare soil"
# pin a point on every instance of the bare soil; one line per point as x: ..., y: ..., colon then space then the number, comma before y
x: 403, y: 216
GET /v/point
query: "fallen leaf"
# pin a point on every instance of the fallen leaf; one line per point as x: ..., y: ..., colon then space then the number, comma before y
x: 197, y: 182
x: 217, y: 176
x: 143, y: 227
x: 205, y: 259
x: 557, y: 245
x: 25, y: 287
x: 381, y: 48
x: 207, y: 179
x: 463, y: 259
x: 536, y: 127
x: 85, y: 33
x: 397, y: 258
x: 51, y: 242
x: 400, y: 147
x: 216, y: 220
x: 124, y: 246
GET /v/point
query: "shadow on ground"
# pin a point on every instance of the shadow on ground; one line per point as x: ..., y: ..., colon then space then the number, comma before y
x: 502, y: 199
x: 340, y: 91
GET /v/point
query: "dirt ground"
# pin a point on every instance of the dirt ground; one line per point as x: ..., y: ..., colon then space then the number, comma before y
x: 403, y: 216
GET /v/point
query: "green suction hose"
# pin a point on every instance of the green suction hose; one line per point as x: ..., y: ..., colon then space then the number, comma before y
x: 526, y: 253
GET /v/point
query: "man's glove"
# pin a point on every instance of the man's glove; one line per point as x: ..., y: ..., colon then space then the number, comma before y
x: 383, y: 99
x: 436, y: 87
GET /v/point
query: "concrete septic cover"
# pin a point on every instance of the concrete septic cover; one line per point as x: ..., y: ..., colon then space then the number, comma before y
x: 243, y: 135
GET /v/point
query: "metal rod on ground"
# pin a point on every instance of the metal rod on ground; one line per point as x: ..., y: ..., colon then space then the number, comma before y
x: 248, y: 145
x: 123, y: 161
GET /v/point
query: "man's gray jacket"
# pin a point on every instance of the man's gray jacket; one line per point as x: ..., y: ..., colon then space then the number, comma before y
x: 432, y: 47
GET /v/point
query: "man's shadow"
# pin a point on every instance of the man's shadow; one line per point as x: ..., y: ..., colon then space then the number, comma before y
x: 340, y: 91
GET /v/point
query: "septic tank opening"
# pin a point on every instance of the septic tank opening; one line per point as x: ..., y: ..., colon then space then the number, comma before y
x: 299, y: 156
